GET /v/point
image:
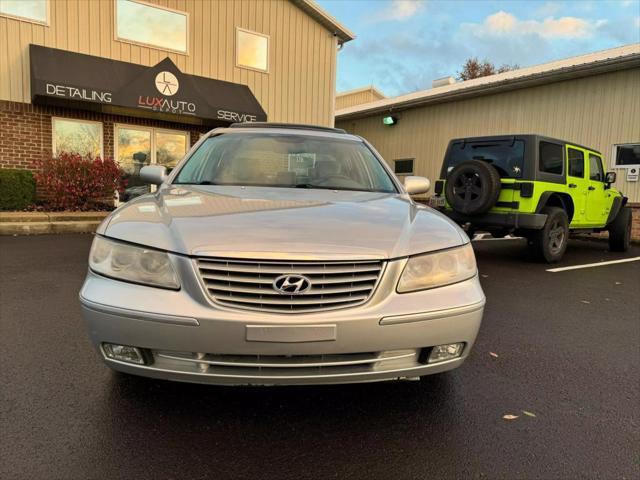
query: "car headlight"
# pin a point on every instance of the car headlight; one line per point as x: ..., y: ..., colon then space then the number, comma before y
x: 438, y: 269
x: 132, y: 264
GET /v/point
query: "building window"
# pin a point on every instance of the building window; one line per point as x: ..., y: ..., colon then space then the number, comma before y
x: 576, y: 163
x: 403, y: 167
x: 31, y: 10
x: 252, y: 50
x: 152, y: 25
x: 77, y: 136
x: 551, y: 158
x: 170, y: 147
x: 596, y: 171
x: 627, y: 155
x: 136, y: 147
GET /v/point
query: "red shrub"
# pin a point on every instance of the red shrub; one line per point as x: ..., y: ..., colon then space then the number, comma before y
x: 72, y: 182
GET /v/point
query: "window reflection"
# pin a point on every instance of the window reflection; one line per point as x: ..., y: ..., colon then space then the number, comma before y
x: 30, y: 9
x: 252, y: 50
x: 170, y: 148
x: 133, y: 153
x: 151, y: 25
x: 77, y: 136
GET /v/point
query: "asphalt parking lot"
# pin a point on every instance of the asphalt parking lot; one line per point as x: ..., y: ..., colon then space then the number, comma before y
x: 567, y: 347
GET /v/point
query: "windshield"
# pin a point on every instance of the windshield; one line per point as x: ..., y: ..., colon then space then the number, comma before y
x: 289, y: 161
x: 507, y: 156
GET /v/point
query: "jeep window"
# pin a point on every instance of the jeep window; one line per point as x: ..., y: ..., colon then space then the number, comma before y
x: 576, y: 163
x: 596, y: 172
x: 286, y: 161
x: 506, y: 156
x: 551, y: 158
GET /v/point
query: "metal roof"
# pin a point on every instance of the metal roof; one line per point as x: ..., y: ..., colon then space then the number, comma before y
x: 312, y: 9
x: 367, y: 88
x: 618, y: 58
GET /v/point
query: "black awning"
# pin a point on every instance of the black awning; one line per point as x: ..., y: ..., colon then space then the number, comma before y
x: 63, y: 78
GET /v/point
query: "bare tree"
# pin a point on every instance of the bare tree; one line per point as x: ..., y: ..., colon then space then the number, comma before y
x: 473, y: 68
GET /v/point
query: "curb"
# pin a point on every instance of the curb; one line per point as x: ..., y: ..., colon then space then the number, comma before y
x: 40, y: 223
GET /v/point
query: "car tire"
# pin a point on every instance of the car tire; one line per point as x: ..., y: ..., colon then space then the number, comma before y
x: 472, y: 187
x: 620, y: 231
x: 550, y: 242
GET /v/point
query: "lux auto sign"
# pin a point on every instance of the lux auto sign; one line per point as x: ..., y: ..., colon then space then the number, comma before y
x: 168, y: 85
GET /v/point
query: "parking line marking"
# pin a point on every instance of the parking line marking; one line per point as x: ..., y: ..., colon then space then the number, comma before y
x: 591, y: 265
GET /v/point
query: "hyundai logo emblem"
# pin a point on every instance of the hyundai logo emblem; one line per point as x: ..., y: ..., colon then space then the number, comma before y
x: 291, y: 284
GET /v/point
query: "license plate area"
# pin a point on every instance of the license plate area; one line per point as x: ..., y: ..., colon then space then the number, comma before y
x: 437, y: 202
x: 291, y: 334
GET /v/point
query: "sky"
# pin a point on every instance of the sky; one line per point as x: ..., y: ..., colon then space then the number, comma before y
x: 403, y: 45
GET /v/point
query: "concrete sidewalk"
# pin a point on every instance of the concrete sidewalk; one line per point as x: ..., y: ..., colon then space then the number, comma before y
x: 37, y: 223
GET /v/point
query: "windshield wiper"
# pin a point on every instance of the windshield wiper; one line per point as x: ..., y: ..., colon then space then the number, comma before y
x: 203, y: 182
x: 322, y: 187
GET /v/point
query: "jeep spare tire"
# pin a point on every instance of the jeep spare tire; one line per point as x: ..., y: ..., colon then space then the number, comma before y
x: 472, y: 187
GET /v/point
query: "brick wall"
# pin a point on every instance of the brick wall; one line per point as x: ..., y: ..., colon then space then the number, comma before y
x: 25, y: 130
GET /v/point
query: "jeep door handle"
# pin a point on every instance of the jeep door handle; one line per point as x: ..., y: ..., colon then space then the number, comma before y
x: 572, y: 185
x: 592, y: 188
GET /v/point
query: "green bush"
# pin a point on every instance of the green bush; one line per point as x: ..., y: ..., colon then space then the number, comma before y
x: 17, y: 189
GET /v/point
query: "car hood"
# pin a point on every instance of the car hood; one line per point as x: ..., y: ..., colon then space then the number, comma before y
x: 274, y: 223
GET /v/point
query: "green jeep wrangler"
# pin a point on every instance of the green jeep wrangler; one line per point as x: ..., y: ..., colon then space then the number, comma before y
x: 531, y: 186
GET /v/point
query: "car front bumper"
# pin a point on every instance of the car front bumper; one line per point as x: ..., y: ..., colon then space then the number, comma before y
x: 187, y: 338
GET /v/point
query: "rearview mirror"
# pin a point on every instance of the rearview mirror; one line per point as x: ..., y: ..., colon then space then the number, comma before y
x: 153, y: 174
x: 416, y: 185
x: 610, y: 178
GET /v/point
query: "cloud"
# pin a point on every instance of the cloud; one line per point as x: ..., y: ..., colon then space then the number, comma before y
x: 398, y: 10
x: 506, y: 24
x: 547, y: 9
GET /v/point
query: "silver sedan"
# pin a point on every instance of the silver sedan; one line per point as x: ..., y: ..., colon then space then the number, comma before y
x: 280, y: 254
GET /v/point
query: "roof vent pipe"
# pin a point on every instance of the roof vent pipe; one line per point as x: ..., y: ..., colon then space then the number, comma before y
x: 443, y: 82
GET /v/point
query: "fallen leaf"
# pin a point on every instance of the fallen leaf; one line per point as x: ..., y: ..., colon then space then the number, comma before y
x: 585, y: 301
x: 495, y: 355
x: 528, y: 414
x: 510, y: 417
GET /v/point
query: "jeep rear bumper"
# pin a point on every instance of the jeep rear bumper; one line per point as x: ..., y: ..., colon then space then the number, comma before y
x: 534, y: 221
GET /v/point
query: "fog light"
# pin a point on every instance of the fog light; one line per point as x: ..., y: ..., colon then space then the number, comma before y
x: 123, y: 353
x: 440, y: 353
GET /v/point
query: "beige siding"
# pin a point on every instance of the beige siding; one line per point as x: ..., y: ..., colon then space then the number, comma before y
x: 300, y: 84
x: 356, y: 98
x: 598, y: 111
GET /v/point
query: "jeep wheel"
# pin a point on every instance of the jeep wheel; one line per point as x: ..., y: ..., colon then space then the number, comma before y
x: 550, y: 242
x: 472, y: 187
x: 620, y: 231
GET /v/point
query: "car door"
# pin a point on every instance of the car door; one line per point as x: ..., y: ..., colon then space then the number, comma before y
x: 598, y: 205
x: 578, y: 184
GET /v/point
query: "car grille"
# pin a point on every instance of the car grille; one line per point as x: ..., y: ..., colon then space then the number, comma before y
x: 248, y: 284
x: 286, y: 366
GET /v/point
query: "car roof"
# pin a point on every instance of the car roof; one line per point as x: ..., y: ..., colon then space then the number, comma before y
x: 287, y: 128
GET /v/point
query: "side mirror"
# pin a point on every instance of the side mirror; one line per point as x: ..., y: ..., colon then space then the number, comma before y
x: 610, y: 178
x: 153, y: 174
x: 416, y: 185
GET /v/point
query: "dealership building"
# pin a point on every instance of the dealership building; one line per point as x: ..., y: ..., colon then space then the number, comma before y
x: 140, y: 81
x: 591, y: 100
